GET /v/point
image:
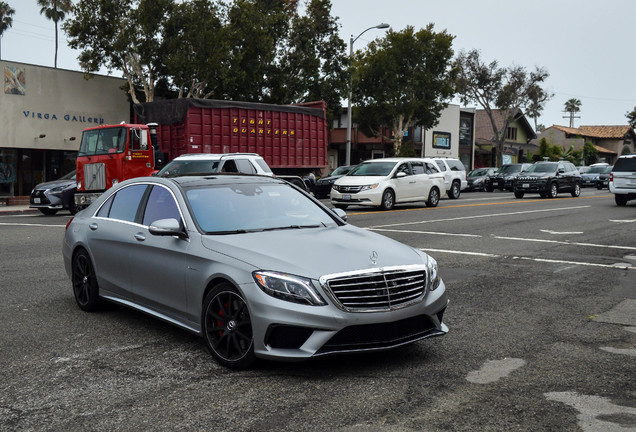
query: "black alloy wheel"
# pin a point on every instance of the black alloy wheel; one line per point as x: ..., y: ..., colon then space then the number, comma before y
x: 577, y: 190
x: 455, y: 190
x: 554, y: 190
x: 388, y: 200
x: 84, y: 282
x: 227, y: 327
x: 433, y: 197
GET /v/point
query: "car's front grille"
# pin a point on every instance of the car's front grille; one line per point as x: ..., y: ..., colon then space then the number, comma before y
x: 381, y: 289
x: 350, y: 189
x: 527, y: 179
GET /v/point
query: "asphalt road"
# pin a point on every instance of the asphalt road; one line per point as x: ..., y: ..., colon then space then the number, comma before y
x: 542, y: 336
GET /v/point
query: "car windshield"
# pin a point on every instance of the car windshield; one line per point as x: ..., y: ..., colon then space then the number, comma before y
x: 373, y: 169
x: 103, y: 141
x: 341, y: 170
x: 242, y: 208
x: 597, y: 170
x: 542, y: 168
x: 185, y: 166
x: 506, y: 169
x: 478, y: 172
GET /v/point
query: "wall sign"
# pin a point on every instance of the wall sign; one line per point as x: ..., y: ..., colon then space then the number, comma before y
x: 442, y: 140
x: 14, y: 80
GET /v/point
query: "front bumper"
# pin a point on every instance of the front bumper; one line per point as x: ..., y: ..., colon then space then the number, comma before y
x: 84, y: 199
x: 540, y: 186
x: 45, y: 199
x: 289, y: 331
x: 371, y: 197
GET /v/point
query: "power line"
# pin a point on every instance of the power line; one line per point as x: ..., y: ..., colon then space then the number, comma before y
x: 633, y: 100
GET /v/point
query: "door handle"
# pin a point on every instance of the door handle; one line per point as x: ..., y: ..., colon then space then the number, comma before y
x: 140, y: 237
x: 93, y: 226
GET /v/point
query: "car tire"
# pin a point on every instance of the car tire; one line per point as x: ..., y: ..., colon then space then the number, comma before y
x: 490, y: 189
x: 47, y: 211
x: 388, y: 200
x: 84, y: 280
x: 433, y: 197
x: 341, y: 206
x: 519, y: 194
x: 576, y: 191
x: 554, y: 190
x: 227, y: 328
x: 620, y: 199
x: 455, y: 191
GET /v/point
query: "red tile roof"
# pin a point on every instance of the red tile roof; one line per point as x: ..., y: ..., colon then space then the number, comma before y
x: 617, y: 132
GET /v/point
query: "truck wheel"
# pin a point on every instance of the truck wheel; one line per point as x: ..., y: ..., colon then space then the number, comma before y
x: 519, y: 194
x: 71, y: 205
x: 47, y: 211
x: 433, y: 198
x: 454, y: 191
x: 388, y: 200
x: 621, y: 200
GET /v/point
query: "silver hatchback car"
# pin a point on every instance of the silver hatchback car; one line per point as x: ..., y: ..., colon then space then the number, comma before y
x: 220, y: 256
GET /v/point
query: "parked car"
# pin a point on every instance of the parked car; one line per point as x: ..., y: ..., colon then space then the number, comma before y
x: 590, y: 177
x: 386, y: 182
x: 454, y: 176
x: 324, y: 184
x: 548, y: 179
x: 583, y: 169
x: 477, y: 178
x: 51, y: 197
x: 204, y: 163
x: 218, y: 256
x: 505, y: 176
x: 603, y: 178
x: 622, y: 181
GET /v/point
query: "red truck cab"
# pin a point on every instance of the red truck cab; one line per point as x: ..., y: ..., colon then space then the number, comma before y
x: 110, y: 154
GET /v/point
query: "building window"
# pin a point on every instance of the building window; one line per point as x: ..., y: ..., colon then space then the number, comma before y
x: 511, y: 133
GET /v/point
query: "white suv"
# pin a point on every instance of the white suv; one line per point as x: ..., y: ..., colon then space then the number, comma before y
x: 205, y: 163
x: 622, y: 181
x: 454, y: 176
x: 386, y: 182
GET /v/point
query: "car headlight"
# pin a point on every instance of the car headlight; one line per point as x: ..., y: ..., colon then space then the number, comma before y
x: 478, y: 181
x: 288, y: 287
x: 433, y: 274
x: 369, y: 187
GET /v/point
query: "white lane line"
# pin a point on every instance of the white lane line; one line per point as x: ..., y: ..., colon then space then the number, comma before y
x: 561, y: 232
x: 565, y: 242
x: 479, y: 216
x: 620, y: 266
x: 425, y: 232
x: 29, y: 224
x: 623, y: 221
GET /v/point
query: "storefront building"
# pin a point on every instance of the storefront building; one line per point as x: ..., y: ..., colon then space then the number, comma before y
x: 42, y: 114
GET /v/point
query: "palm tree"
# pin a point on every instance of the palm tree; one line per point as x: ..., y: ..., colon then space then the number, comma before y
x: 6, y: 19
x: 55, y: 10
x: 572, y: 106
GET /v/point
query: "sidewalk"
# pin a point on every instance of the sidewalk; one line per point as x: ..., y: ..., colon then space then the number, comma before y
x: 6, y: 210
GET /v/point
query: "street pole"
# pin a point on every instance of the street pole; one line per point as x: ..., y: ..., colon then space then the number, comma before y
x: 351, y: 42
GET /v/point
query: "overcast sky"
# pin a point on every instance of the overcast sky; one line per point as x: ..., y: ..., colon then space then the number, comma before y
x: 587, y: 46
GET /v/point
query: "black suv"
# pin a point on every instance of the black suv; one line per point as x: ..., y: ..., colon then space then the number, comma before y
x: 505, y: 176
x: 548, y: 179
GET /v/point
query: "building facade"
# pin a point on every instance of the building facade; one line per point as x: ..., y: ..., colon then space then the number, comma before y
x: 43, y: 112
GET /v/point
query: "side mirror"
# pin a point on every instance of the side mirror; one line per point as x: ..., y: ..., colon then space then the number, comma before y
x: 400, y: 174
x: 167, y: 227
x: 340, y: 213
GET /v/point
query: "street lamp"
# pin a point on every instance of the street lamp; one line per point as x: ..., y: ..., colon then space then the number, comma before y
x: 351, y: 42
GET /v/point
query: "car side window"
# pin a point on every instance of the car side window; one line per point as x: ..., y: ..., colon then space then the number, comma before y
x: 418, y: 168
x: 441, y: 165
x: 161, y: 205
x: 245, y: 166
x: 229, y: 167
x: 103, y: 212
x: 126, y: 203
x: 455, y: 165
x: 431, y: 168
x: 404, y: 168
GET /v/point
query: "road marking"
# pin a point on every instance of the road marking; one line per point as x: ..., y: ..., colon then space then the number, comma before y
x: 479, y: 216
x: 621, y: 266
x: 623, y: 221
x: 623, y: 351
x: 425, y: 232
x: 561, y: 232
x: 565, y: 242
x: 29, y: 224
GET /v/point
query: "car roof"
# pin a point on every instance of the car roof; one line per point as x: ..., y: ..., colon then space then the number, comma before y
x: 222, y: 179
x: 213, y: 156
x: 397, y: 159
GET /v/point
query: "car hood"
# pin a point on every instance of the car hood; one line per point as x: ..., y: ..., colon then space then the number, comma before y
x: 359, y: 180
x: 536, y: 175
x: 54, y: 183
x: 313, y: 252
x: 329, y: 178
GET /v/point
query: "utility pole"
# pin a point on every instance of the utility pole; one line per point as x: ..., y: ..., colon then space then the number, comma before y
x: 571, y: 116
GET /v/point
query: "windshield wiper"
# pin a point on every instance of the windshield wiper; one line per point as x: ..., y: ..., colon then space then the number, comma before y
x: 292, y: 227
x: 237, y: 231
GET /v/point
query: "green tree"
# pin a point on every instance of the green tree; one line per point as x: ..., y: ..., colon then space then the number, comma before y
x: 403, y: 79
x: 121, y: 35
x: 631, y: 117
x: 6, y: 19
x: 572, y: 106
x: 590, y: 154
x: 510, y: 90
x: 55, y: 10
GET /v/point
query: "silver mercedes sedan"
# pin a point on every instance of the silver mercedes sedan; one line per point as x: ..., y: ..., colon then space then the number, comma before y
x: 257, y: 267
